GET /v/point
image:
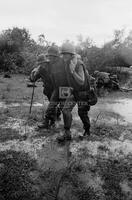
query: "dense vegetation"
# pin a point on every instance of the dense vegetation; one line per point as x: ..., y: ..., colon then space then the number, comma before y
x: 18, y: 51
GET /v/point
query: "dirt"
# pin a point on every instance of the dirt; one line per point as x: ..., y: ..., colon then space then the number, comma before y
x: 97, y: 168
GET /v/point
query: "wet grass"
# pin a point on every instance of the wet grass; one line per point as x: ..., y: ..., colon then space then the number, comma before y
x: 21, y: 178
x: 9, y: 134
x: 24, y: 178
x: 66, y: 184
x: 113, y: 172
x: 107, y: 131
x: 15, y: 180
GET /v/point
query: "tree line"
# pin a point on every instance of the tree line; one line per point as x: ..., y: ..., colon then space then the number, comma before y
x: 18, y: 51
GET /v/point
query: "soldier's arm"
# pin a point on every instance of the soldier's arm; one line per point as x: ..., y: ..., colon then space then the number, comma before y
x: 79, y: 75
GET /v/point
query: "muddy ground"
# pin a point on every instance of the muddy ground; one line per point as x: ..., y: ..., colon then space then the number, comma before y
x: 32, y: 164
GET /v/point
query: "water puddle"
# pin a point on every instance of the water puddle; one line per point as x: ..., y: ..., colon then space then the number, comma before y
x: 4, y: 105
x: 124, y: 143
x: 18, y: 125
x: 27, y: 146
x: 124, y: 108
x: 121, y: 107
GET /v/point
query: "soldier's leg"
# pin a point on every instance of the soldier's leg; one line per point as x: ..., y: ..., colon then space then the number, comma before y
x: 83, y: 109
x: 52, y: 119
x: 51, y: 110
x: 58, y: 109
x: 67, y: 117
x: 67, y: 109
x: 54, y: 101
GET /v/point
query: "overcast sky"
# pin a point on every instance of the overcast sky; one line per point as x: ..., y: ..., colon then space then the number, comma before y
x: 65, y: 19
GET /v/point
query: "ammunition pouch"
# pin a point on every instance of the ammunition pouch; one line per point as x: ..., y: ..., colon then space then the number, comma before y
x: 89, y: 96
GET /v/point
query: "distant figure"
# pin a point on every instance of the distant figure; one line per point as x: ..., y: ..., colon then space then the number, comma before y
x: 103, y: 76
x: 102, y: 81
x: 107, y: 81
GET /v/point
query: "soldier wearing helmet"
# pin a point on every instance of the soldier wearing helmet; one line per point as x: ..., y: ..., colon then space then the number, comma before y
x: 53, y: 51
x: 102, y: 80
x: 43, y: 71
x: 53, y: 54
x: 41, y: 59
x: 76, y: 80
x: 68, y: 79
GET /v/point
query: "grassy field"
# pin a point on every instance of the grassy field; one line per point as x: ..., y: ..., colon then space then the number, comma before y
x: 33, y: 166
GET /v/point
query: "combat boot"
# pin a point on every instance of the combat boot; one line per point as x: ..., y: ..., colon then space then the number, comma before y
x: 85, y: 135
x: 86, y: 132
x: 65, y: 137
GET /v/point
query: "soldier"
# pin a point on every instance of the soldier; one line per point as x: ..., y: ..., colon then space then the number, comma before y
x: 69, y: 79
x: 114, y: 82
x: 43, y: 71
x: 104, y: 76
x: 102, y: 80
x: 42, y: 66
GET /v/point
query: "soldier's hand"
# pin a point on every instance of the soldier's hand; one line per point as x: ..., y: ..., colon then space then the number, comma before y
x: 72, y: 67
x: 73, y: 64
x: 74, y: 60
x: 33, y: 74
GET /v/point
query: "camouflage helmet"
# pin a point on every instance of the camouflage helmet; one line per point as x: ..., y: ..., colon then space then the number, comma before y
x: 68, y: 48
x: 53, y: 51
x: 41, y: 58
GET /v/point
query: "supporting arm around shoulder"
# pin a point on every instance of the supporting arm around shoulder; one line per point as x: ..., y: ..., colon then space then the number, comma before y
x: 35, y: 74
x: 79, y: 75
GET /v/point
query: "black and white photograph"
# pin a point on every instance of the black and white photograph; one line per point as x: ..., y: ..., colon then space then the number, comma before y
x: 66, y: 100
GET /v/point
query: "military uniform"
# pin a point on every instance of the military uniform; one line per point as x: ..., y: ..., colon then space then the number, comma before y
x: 102, y: 80
x: 43, y: 71
x: 104, y: 77
x: 114, y: 83
x: 62, y: 77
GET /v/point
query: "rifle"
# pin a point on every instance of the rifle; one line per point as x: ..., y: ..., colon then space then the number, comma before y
x: 32, y: 98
